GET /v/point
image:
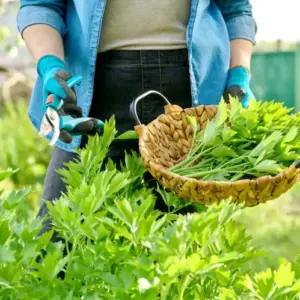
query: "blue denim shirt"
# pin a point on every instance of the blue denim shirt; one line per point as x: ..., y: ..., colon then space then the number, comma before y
x: 212, y: 24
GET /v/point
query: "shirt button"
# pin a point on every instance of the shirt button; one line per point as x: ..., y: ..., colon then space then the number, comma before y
x: 196, y: 101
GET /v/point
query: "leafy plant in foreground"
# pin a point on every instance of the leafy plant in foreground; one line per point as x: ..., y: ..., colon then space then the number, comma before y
x: 22, y: 149
x: 119, y: 247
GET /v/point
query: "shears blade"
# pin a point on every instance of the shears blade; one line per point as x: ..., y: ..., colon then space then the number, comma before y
x: 46, y: 127
x: 50, y: 122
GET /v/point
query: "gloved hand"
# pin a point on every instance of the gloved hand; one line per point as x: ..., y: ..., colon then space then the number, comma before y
x: 238, y: 84
x: 54, y: 73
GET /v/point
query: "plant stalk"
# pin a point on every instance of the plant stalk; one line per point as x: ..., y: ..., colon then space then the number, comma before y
x: 183, y: 287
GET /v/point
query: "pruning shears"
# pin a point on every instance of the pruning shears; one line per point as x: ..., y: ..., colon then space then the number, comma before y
x: 54, y: 120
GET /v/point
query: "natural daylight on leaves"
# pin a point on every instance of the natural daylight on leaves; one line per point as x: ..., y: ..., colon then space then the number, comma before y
x: 165, y: 197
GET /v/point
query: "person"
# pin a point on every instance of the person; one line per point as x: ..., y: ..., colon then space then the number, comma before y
x: 191, y: 51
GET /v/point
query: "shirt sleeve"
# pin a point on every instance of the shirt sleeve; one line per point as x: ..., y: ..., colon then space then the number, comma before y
x: 49, y: 12
x: 239, y: 19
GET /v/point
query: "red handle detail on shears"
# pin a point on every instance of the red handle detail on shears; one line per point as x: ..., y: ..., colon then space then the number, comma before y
x: 50, y: 99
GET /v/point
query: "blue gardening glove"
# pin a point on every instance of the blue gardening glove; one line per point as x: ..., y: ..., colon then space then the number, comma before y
x: 238, y: 84
x: 54, y: 73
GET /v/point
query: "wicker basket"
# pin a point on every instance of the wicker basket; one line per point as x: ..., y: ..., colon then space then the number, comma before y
x: 167, y: 140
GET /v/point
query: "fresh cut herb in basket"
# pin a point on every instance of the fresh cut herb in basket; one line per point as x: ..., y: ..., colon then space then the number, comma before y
x: 240, y: 143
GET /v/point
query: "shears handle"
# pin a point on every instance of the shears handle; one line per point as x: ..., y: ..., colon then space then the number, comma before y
x: 54, y: 101
x: 69, y: 123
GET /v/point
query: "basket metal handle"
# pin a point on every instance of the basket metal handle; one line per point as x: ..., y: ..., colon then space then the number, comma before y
x: 297, y: 164
x: 133, y: 104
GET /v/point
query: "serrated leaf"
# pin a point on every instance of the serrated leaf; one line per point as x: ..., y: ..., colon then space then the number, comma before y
x: 260, y: 157
x: 110, y: 166
x: 5, y: 284
x: 102, y: 232
x: 221, y: 176
x: 215, y: 141
x: 123, y: 211
x: 171, y: 200
x: 51, y: 264
x: 5, y: 232
x: 210, y: 132
x: 267, y: 144
x: 223, y: 151
x: 147, y: 204
x: 118, y: 182
x: 209, y: 269
x: 15, y: 198
x: 296, y: 286
x: 253, y: 105
x: 195, y: 262
x: 163, y: 221
x: 176, y: 267
x: 284, y: 276
x: 253, y: 160
x: 128, y: 135
x: 126, y: 277
x: 227, y: 133
x: 291, y: 135
x: 264, y: 281
x: 248, y: 283
x: 241, y: 129
x: 229, y: 257
x: 221, y: 116
x: 193, y: 122
x: 109, y: 132
x: 45, y: 238
x: 7, y: 173
x: 30, y: 251
x: 227, y: 294
x: 269, y: 166
x: 119, y: 229
x: 199, y: 137
x: 111, y: 279
x: 88, y: 229
x: 7, y: 255
x: 135, y: 169
x: 288, y: 156
x: 235, y: 107
x: 223, y: 277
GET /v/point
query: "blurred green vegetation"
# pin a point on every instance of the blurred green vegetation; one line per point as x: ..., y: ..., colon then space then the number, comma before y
x: 23, y: 149
x: 9, y: 42
x: 275, y: 228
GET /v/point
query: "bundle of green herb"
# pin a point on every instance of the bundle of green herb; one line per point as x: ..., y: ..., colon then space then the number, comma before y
x: 243, y: 143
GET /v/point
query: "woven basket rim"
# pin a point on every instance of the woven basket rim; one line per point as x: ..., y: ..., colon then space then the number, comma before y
x: 142, y: 129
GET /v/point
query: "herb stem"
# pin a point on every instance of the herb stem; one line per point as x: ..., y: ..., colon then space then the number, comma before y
x: 234, y: 160
x: 198, y: 166
x: 198, y: 148
x: 190, y: 159
x: 71, y: 253
x: 202, y: 153
x: 201, y: 166
x: 183, y: 287
x: 193, y: 142
x: 205, y: 173
x: 239, y: 165
x: 165, y: 291
x: 177, y: 166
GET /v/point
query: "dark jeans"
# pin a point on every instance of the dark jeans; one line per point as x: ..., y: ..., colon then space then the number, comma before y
x: 121, y: 76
